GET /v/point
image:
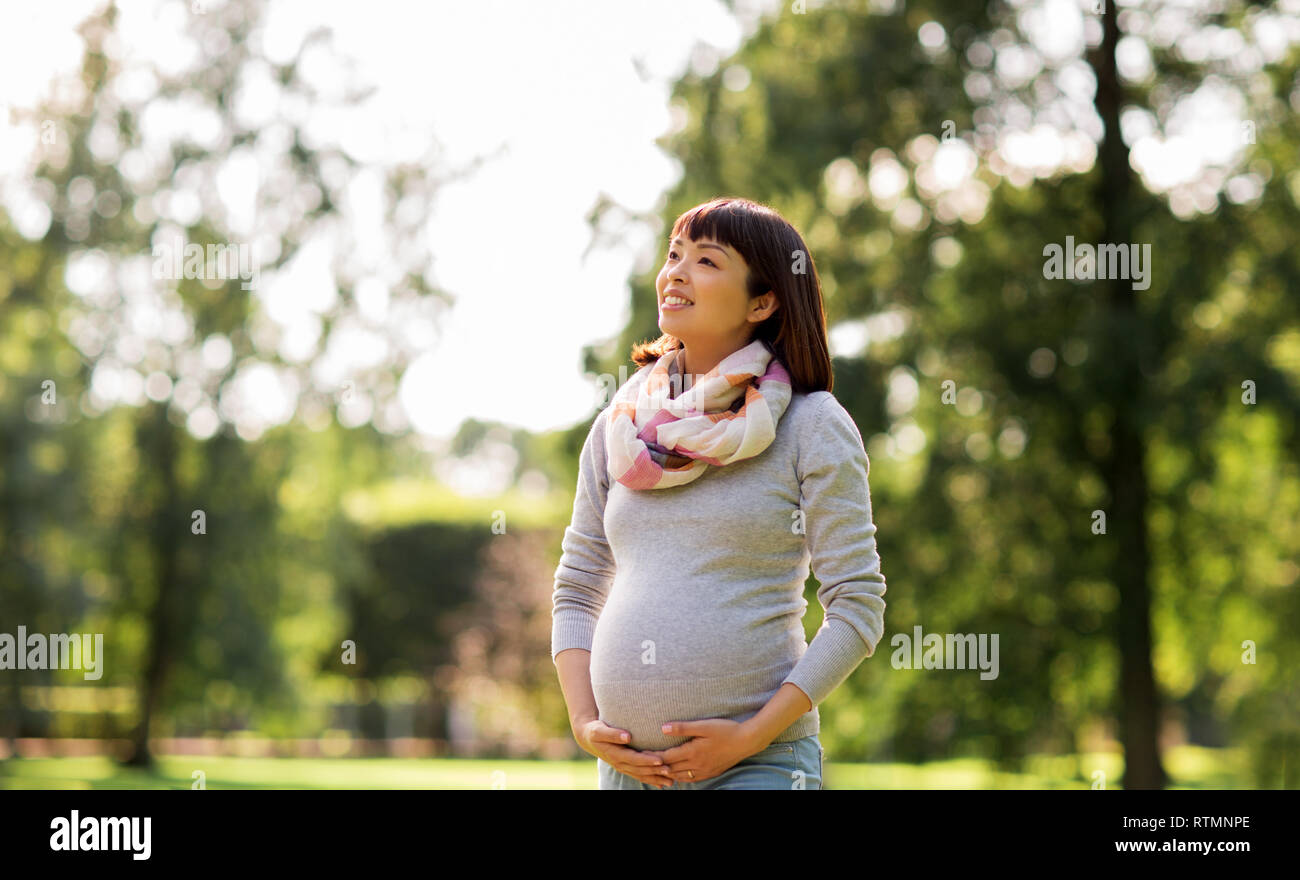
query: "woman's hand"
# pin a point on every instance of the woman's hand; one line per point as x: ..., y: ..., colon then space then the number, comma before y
x: 601, y: 740
x: 716, y: 745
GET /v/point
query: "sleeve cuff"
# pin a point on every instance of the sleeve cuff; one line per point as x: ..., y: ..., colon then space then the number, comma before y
x: 573, y: 629
x: 835, y: 651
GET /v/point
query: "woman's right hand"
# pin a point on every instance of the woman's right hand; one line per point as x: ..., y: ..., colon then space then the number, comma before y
x: 601, y: 740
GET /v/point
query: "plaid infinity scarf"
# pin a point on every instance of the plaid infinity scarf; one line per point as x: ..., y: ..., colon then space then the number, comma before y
x: 654, y: 441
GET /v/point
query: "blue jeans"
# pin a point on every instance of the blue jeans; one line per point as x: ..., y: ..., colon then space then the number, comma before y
x: 794, y: 765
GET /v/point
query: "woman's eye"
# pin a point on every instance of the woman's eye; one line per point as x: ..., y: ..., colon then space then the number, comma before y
x: 672, y: 255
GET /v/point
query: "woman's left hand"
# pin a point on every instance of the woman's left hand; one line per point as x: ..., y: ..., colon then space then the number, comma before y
x: 716, y: 745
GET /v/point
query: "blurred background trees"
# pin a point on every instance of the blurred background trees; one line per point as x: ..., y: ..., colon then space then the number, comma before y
x: 880, y: 130
x: 1002, y: 409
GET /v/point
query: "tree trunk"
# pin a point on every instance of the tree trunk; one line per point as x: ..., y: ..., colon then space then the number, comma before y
x: 1124, y: 471
x: 160, y: 447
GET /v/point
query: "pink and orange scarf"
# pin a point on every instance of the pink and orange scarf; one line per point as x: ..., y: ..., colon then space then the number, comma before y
x: 655, y: 441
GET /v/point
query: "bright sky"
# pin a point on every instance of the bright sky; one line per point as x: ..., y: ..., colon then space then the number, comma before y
x: 549, y: 91
x: 552, y: 92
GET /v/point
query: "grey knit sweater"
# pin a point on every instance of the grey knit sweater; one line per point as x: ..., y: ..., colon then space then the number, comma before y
x: 690, y: 598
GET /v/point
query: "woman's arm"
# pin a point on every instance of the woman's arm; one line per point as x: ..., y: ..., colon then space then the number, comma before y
x: 784, y: 709
x: 841, y: 538
x: 586, y: 570
x: 574, y: 667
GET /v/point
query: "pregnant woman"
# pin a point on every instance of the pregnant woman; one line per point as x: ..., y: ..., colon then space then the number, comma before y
x: 720, y: 471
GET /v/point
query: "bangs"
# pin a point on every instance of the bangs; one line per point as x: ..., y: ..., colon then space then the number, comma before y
x: 724, y: 221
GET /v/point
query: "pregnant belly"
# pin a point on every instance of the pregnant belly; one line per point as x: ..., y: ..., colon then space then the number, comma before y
x: 677, y: 656
x: 641, y: 706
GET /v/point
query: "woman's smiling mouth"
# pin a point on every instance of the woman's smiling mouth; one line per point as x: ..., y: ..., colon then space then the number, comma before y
x: 675, y: 301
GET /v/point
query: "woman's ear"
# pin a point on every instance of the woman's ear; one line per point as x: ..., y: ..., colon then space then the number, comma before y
x: 765, y: 306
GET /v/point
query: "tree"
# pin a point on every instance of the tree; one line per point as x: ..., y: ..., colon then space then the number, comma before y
x: 127, y: 189
x: 913, y: 147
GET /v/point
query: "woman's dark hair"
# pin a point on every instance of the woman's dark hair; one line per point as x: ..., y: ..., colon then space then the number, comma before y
x: 778, y: 261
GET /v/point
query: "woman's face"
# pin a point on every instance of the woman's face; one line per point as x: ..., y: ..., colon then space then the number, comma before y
x: 712, y: 277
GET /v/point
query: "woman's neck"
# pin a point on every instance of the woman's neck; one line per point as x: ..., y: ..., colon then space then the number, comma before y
x: 698, y: 361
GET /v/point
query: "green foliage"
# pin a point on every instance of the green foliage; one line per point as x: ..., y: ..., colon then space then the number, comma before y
x: 988, y: 528
x: 316, y: 534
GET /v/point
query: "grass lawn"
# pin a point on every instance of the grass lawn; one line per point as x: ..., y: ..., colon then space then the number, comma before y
x: 1190, y: 767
